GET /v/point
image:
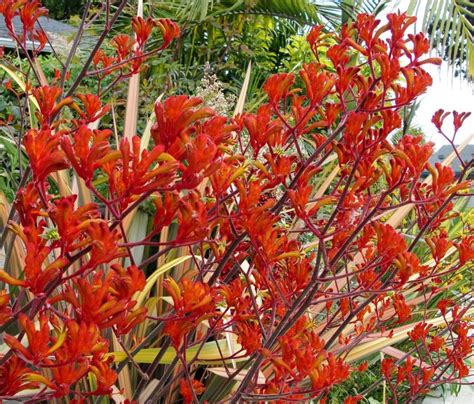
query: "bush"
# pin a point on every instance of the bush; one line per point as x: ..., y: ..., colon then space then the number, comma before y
x: 285, y: 247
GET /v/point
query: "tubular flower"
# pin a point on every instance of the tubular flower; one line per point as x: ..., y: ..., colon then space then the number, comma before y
x: 42, y: 148
x: 70, y: 221
x: 89, y: 152
x: 169, y: 30
x: 192, y: 302
x: 41, y: 343
x: 172, y: 118
x: 190, y: 389
x: 46, y: 96
x: 93, y: 109
x: 138, y: 172
x: 104, y: 244
x: 30, y: 13
x: 16, y: 377
x: 292, y: 237
x: 277, y: 86
x: 99, y: 303
x: 5, y: 310
x: 37, y: 275
x: 142, y: 28
x: 401, y: 308
x: 105, y: 377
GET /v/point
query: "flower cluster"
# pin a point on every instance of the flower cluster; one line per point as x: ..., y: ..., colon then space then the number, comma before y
x: 318, y: 162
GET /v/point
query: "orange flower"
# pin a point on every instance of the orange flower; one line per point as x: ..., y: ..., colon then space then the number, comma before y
x: 169, y: 30
x: 190, y: 390
x: 105, y: 377
x: 5, y: 310
x: 401, y: 308
x: 46, y: 97
x: 90, y: 151
x: 142, y: 28
x: 277, y: 86
x: 465, y: 249
x: 70, y: 221
x: 42, y: 148
x: 29, y: 14
x: 16, y: 377
x: 41, y: 343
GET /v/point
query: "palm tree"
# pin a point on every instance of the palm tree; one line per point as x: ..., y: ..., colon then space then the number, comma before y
x: 450, y: 24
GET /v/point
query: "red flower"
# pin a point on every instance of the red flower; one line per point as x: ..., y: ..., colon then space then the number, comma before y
x: 193, y: 302
x: 318, y: 84
x: 353, y: 400
x: 415, y: 153
x: 97, y: 302
x: 40, y: 343
x: 10, y: 9
x: 443, y: 305
x: 142, y: 28
x: 104, y: 244
x: 138, y: 172
x: 420, y: 332
x: 67, y: 375
x: 465, y: 249
x: 261, y: 127
x: 42, y: 39
x: 459, y: 118
x: 177, y: 329
x: 334, y: 372
x: 387, y: 367
x: 16, y: 377
x: 399, y: 23
x: 249, y: 336
x: 93, y: 109
x: 436, y: 344
x: 438, y: 118
x: 223, y: 177
x: 201, y: 154
x: 29, y: 14
x: 314, y: 37
x: 126, y: 282
x: 366, y: 26
x: 42, y: 148
x: 191, y: 297
x: 439, y: 245
x: 173, y: 116
x: 105, y: 377
x: 277, y: 86
x: 90, y: 151
x: 166, y: 206
x: 190, y: 390
x: 417, y: 81
x: 123, y: 44
x: 169, y: 30
x: 401, y: 308
x: 82, y: 339
x: 443, y: 183
x: 100, y: 59
x: 390, y: 243
x: 421, y: 45
x: 70, y: 221
x: 5, y: 310
x: 194, y: 223
x: 37, y: 251
x: 46, y: 97
x: 408, y: 265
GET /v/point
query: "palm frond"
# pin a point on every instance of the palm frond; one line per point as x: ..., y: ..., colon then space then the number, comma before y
x: 450, y: 24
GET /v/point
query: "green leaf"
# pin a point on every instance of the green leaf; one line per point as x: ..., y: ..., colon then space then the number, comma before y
x: 150, y: 282
x: 211, y: 353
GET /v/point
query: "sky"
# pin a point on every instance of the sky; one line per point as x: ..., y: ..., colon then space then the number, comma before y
x: 447, y: 92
